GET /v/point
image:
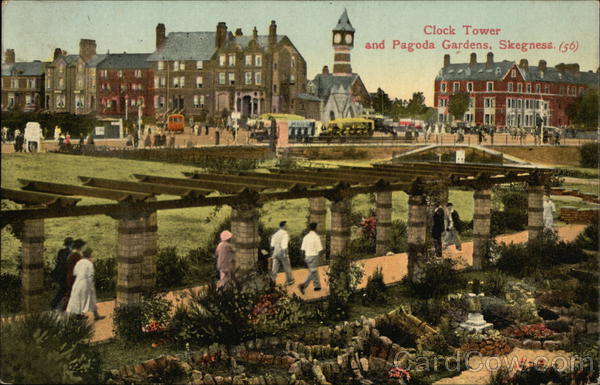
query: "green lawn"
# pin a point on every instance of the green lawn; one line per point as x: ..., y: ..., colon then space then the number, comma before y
x: 184, y: 228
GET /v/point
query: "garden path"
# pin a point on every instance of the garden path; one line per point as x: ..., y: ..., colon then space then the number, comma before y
x: 394, y: 268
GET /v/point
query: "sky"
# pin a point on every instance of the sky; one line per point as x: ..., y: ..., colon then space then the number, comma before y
x: 34, y: 28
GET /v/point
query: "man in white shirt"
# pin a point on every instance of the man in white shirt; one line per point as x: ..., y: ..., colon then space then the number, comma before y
x: 311, y: 246
x: 279, y: 250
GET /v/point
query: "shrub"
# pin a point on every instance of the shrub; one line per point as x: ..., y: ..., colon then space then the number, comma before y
x: 170, y: 268
x: 500, y: 314
x: 344, y: 278
x: 131, y: 320
x: 588, y: 239
x: 48, y: 348
x: 496, y: 284
x: 398, y: 243
x: 201, y: 265
x: 105, y: 273
x: 513, y: 216
x: 10, y: 294
x: 589, y: 155
x: 440, y: 279
x: 218, y: 315
x: 374, y: 292
x: 284, y: 313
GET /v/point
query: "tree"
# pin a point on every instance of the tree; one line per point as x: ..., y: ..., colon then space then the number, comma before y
x: 584, y: 111
x: 416, y: 105
x: 381, y: 102
x: 459, y: 103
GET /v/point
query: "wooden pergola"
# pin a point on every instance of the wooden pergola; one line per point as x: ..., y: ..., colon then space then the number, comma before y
x: 135, y: 203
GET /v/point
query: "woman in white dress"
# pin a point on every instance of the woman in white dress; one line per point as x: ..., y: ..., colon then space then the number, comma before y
x: 83, y: 294
x: 548, y: 216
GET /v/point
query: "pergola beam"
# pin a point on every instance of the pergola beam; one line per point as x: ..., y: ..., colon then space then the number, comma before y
x: 65, y: 189
x: 265, y: 181
x: 149, y: 188
x: 223, y: 187
x: 37, y: 198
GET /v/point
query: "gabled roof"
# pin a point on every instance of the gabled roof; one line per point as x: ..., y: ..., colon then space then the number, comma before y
x: 35, y: 68
x: 308, y: 97
x: 95, y: 60
x: 125, y: 61
x: 325, y: 83
x: 344, y: 23
x: 498, y: 70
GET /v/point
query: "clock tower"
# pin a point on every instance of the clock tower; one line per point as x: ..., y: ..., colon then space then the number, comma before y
x: 343, y: 42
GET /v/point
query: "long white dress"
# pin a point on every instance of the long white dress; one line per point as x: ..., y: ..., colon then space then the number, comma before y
x: 83, y: 294
x: 548, y: 216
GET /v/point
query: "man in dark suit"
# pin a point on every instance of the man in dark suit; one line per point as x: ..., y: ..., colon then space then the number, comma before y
x: 59, y: 274
x: 438, y: 228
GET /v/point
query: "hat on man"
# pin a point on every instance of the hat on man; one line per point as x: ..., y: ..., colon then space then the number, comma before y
x: 87, y: 252
x: 78, y: 243
x: 282, y: 223
x: 68, y: 241
x: 226, y: 235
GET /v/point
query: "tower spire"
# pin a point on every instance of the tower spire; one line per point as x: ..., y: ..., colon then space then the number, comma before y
x: 343, y: 42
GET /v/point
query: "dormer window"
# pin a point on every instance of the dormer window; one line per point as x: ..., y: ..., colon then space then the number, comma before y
x: 513, y: 73
x: 498, y: 71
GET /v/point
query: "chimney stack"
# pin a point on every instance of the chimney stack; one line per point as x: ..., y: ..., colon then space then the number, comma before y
x: 446, y: 60
x: 221, y: 34
x: 255, y: 33
x: 473, y: 60
x: 542, y: 65
x: 238, y: 32
x: 325, y: 70
x: 560, y: 67
x: 9, y: 56
x: 272, y: 33
x: 87, y: 49
x: 572, y: 68
x: 160, y: 35
x: 490, y: 59
x: 524, y: 64
x: 57, y: 53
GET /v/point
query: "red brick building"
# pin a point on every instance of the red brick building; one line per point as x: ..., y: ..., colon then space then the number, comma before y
x: 125, y: 84
x: 507, y: 94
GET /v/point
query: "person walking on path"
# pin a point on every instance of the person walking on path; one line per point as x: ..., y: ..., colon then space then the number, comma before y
x: 59, y: 274
x: 280, y: 252
x: 438, y: 228
x: 72, y: 260
x: 225, y: 253
x: 83, y: 294
x: 311, y: 246
x: 548, y: 214
x: 452, y: 227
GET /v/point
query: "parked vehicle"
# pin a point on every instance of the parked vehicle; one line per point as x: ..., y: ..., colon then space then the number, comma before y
x: 175, y: 123
x: 349, y: 127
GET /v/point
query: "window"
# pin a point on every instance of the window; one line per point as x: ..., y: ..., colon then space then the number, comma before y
x: 508, y: 103
x: 455, y: 86
x: 519, y: 87
x: 258, y: 61
x: 162, y: 101
x: 104, y: 74
x: 138, y: 73
x: 31, y: 83
x: 231, y: 59
x: 163, y: 81
x: 293, y: 62
x: 182, y: 81
x: 199, y: 81
x: 231, y: 78
x: 141, y: 101
x: 108, y: 103
x: 248, y: 60
x: 80, y: 67
x: 79, y: 83
x: 471, y: 102
x: 488, y: 102
x: 156, y: 81
x: 176, y: 82
x: 14, y: 83
x: 489, y: 86
x: 513, y: 73
x: 443, y: 87
x: 49, y: 82
x: 156, y: 105
x: 120, y: 74
x: 222, y: 59
x: 443, y: 102
x: 546, y: 89
x: 61, y: 68
x: 161, y: 65
x: 528, y: 88
x: 28, y: 100
x: 292, y: 78
x: 561, y: 90
x: 199, y: 64
x: 61, y: 83
x: 175, y: 65
x: 221, y: 77
x: 182, y: 66
x: 538, y: 89
x: 580, y: 91
x: 248, y: 77
x: 509, y: 87
x: 470, y: 86
x: 258, y: 77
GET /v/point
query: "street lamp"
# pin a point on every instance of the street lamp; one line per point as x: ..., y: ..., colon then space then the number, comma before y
x: 126, y: 103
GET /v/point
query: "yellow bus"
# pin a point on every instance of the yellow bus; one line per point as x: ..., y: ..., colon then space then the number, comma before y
x: 349, y: 127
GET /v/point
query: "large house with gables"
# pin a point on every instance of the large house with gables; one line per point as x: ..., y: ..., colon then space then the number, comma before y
x: 22, y: 84
x: 507, y: 94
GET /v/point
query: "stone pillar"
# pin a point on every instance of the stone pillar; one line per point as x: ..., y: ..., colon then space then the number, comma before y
x: 32, y: 249
x: 131, y: 245
x: 150, y: 252
x: 482, y: 217
x: 417, y: 232
x: 317, y: 212
x: 340, y: 227
x: 383, y: 212
x: 535, y: 211
x: 244, y: 226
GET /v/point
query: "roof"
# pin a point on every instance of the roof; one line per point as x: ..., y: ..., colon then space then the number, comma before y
x: 125, y: 61
x: 199, y: 45
x: 344, y: 23
x: 325, y: 83
x: 35, y: 68
x: 96, y: 59
x: 497, y: 71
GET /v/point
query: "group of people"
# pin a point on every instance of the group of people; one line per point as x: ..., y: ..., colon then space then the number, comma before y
x: 74, y: 274
x: 311, y: 247
x: 445, y: 228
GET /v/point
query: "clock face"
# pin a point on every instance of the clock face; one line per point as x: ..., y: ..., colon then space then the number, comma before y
x: 348, y: 39
x: 337, y: 38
